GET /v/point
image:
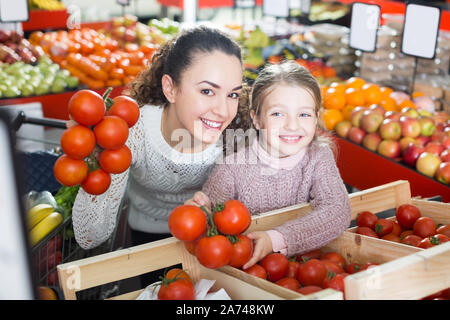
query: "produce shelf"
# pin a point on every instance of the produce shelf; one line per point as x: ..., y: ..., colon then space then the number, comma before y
x: 45, y: 19
x: 55, y: 105
x: 365, y: 169
x: 202, y: 3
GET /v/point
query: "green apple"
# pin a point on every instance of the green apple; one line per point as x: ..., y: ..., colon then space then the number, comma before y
x: 63, y: 73
x: 72, y: 82
x: 42, y: 88
x: 34, y: 71
x: 27, y: 90
x: 11, y: 92
x: 58, y: 86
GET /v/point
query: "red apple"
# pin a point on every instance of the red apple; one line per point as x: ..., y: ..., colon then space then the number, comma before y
x: 389, y: 148
x: 370, y: 121
x: 427, y: 126
x: 440, y: 126
x: 410, y: 112
x: 443, y: 173
x: 440, y: 116
x: 437, y: 136
x: 446, y: 142
x: 422, y: 140
x: 434, y: 147
x: 356, y: 135
x: 410, y: 127
x: 394, y: 115
x: 355, y: 116
x: 371, y: 141
x: 390, y: 130
x: 378, y: 109
x: 342, y: 128
x: 399, y: 96
x: 445, y: 155
x: 428, y: 163
x: 406, y: 142
x: 411, y: 154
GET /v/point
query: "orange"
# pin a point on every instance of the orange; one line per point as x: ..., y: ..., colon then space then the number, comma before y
x: 406, y: 103
x: 355, y: 82
x: 323, y: 89
x: 347, y: 111
x: 331, y: 118
x: 334, y: 99
x: 338, y: 86
x: 385, y: 92
x: 328, y: 72
x: 389, y: 104
x: 372, y: 93
x: 355, y: 97
x: 46, y: 293
x: 417, y: 94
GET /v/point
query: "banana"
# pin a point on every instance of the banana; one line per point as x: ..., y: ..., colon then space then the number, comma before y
x: 37, y: 214
x: 44, y: 227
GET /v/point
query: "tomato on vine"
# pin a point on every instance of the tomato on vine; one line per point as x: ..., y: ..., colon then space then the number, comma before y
x: 78, y: 142
x: 115, y: 160
x: 232, y: 218
x: 111, y: 132
x: 125, y: 108
x: 70, y: 172
x: 96, y: 182
x: 187, y: 222
x: 86, y: 107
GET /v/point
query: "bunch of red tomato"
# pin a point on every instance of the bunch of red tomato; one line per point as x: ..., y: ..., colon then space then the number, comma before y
x: 215, y: 238
x: 95, y: 147
x: 308, y: 272
x: 409, y: 228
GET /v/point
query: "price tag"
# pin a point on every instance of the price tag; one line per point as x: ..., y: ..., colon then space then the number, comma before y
x: 14, y: 11
x: 364, y: 26
x: 276, y: 8
x: 190, y: 11
x: 295, y: 4
x: 420, y: 31
x: 124, y: 3
x: 244, y: 3
x: 305, y: 6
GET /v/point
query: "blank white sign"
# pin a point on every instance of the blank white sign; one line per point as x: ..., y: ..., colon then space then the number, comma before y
x: 305, y: 6
x: 13, y: 10
x: 276, y: 8
x: 420, y: 30
x: 244, y: 3
x: 363, y: 26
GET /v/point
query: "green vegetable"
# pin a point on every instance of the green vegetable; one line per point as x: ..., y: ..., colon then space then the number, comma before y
x: 65, y: 198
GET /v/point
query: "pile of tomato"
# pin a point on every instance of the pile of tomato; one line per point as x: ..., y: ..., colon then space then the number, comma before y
x: 215, y: 238
x: 95, y: 147
x: 409, y: 228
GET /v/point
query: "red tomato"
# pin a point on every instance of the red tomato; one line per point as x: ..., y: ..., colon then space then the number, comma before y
x: 242, y: 251
x: 177, y: 273
x: 383, y: 227
x: 332, y: 266
x: 97, y: 182
x: 190, y: 246
x: 126, y: 108
x: 187, y: 222
x: 442, y: 238
x: 365, y: 231
x: 335, y: 281
x: 70, y: 172
x: 411, y: 240
x: 111, y: 132
x: 444, y: 229
x: 214, y: 252
x: 309, y: 289
x: 424, y: 227
x: 233, y: 218
x: 366, y: 219
x: 368, y: 265
x: 289, y: 283
x: 257, y: 271
x: 405, y: 233
x: 78, y: 142
x: 407, y: 215
x: 312, y: 272
x: 433, y: 241
x: 115, y: 160
x: 353, y: 268
x: 276, y: 265
x: 314, y: 254
x: 397, y: 229
x: 336, y: 258
x: 292, y: 270
x: 177, y: 290
x: 426, y: 243
x: 391, y: 237
x: 86, y: 107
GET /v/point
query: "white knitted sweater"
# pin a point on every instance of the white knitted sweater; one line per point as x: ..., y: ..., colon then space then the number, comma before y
x: 161, y: 179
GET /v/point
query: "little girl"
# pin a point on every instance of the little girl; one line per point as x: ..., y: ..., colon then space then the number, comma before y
x: 289, y: 163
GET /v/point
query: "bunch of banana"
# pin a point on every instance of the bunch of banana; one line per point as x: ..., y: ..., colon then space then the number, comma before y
x: 41, y: 220
x: 46, y: 4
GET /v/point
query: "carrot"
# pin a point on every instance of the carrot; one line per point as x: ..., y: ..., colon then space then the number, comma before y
x: 113, y: 83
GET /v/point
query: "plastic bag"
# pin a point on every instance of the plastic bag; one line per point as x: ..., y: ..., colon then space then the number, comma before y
x: 34, y: 198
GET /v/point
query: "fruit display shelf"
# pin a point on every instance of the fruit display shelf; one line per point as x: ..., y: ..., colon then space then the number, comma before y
x: 363, y: 169
x: 55, y: 105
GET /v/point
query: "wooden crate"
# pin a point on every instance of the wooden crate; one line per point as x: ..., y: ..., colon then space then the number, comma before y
x: 126, y: 263
x: 406, y: 272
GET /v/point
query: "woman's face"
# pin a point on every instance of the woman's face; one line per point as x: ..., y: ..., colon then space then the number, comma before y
x: 288, y: 120
x: 205, y: 100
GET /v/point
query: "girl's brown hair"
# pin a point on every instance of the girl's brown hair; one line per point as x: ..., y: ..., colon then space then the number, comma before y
x: 290, y: 73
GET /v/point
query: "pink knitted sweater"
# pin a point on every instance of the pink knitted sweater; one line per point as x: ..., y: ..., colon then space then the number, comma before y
x: 314, y: 179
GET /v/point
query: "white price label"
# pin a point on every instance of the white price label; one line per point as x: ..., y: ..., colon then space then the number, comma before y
x: 14, y: 11
x: 244, y: 3
x: 364, y: 26
x: 276, y: 8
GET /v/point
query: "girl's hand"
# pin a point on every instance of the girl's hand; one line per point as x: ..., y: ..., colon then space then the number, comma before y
x: 71, y: 123
x: 263, y: 246
x: 199, y: 199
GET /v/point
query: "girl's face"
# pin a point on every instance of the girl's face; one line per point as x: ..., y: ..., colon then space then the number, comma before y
x: 288, y: 120
x: 206, y: 99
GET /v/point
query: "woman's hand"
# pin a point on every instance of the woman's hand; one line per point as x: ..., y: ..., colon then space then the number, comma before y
x: 71, y: 123
x: 262, y: 247
x: 199, y: 199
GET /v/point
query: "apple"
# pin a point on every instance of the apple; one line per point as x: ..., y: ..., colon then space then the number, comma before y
x: 399, y: 96
x: 389, y: 148
x: 371, y: 141
x: 410, y: 112
x: 355, y: 116
x: 438, y: 136
x: 406, y: 142
x: 428, y: 163
x: 427, y: 126
x: 411, y: 154
x: 440, y: 116
x: 443, y: 173
x: 410, y: 127
x: 445, y: 155
x: 446, y: 142
x: 356, y: 135
x: 394, y: 115
x: 434, y: 147
x: 342, y: 128
x: 424, y: 113
x: 370, y: 121
x: 422, y: 140
x: 377, y: 108
x: 390, y: 130
x: 440, y: 126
